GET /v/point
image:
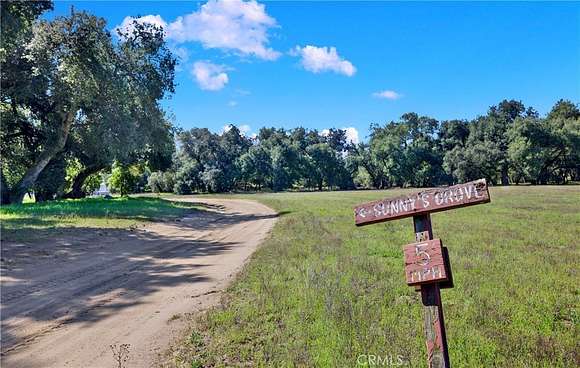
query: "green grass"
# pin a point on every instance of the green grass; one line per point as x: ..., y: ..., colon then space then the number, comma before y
x: 30, y: 221
x: 320, y: 292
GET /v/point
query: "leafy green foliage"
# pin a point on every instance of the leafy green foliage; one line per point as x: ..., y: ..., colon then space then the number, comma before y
x: 546, y: 150
x: 92, y: 183
x: 123, y: 179
x: 214, y: 180
x: 277, y: 159
x: 16, y: 21
x: 325, y: 165
x: 161, y: 182
x: 403, y: 153
x: 256, y: 167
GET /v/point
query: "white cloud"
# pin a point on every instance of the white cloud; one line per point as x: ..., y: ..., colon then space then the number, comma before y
x: 228, y: 24
x: 242, y: 92
x: 244, y: 129
x: 181, y: 53
x: 232, y: 103
x: 127, y: 26
x: 182, y: 57
x: 351, y: 135
x: 210, y: 77
x: 233, y: 25
x: 323, y: 59
x: 387, y: 94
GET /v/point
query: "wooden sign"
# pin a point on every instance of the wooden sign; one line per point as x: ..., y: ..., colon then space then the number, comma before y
x: 427, y: 201
x: 425, y: 263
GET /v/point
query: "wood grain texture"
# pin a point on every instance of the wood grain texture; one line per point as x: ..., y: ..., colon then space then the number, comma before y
x: 433, y: 321
x: 424, y: 262
x: 426, y: 201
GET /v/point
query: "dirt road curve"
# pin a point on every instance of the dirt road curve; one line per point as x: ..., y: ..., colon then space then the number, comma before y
x: 66, y: 301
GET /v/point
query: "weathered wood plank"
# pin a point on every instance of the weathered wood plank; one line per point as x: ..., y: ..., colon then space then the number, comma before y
x: 426, y: 201
x: 447, y: 284
x: 424, y: 262
x: 433, y: 321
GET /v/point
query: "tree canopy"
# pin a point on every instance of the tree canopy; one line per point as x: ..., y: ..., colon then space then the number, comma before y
x: 70, y: 93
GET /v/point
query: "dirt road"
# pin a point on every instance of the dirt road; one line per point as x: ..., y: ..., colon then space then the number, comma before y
x: 65, y: 301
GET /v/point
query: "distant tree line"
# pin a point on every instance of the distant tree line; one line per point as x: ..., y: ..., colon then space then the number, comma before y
x: 509, y: 144
x: 276, y: 160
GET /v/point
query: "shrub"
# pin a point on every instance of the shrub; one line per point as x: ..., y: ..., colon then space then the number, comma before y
x: 122, y: 179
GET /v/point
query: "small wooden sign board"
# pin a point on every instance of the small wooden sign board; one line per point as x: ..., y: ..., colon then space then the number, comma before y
x: 427, y: 265
x: 427, y: 201
x: 424, y: 262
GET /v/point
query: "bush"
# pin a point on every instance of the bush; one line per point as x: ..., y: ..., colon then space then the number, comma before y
x: 214, y: 180
x: 181, y: 188
x: 155, y: 182
x: 122, y: 180
x: 187, y: 178
x: 168, y: 181
x: 92, y: 183
x: 142, y: 182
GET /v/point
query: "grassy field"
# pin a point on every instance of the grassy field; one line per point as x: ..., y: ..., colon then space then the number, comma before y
x: 321, y: 292
x: 30, y: 221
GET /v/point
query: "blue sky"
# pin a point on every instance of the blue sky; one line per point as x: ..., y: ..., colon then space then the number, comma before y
x: 273, y: 63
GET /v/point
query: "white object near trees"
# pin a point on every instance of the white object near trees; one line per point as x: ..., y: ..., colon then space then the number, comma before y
x: 102, y: 191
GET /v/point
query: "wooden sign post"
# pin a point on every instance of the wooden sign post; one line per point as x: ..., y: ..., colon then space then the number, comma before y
x: 427, y: 265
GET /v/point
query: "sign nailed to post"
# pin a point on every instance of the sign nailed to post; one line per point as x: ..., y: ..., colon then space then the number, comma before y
x: 424, y: 262
x: 431, y: 200
x: 427, y: 265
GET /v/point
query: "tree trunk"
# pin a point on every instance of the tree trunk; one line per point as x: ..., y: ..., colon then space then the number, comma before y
x: 41, y: 197
x: 77, y: 187
x: 27, y: 181
x: 4, y: 190
x: 504, y: 175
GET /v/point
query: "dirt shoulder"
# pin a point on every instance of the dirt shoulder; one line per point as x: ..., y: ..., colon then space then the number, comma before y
x: 65, y: 301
